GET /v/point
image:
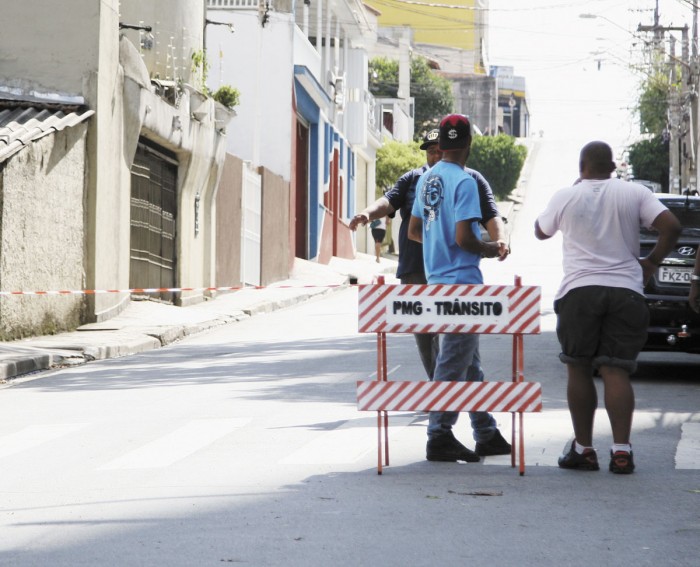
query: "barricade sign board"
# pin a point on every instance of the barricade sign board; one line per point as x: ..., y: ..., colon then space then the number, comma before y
x: 415, y: 308
x: 476, y: 309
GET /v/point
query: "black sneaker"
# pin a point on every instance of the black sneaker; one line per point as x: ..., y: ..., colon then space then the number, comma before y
x: 446, y: 448
x: 621, y: 462
x: 588, y: 461
x: 497, y: 445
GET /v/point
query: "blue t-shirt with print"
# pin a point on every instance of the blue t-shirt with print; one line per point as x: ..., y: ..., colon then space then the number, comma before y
x: 401, y: 197
x: 445, y: 195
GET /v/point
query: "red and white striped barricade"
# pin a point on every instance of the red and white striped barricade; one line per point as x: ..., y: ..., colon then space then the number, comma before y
x: 483, y: 309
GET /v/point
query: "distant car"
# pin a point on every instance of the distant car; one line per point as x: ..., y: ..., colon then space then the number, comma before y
x: 673, y: 325
x: 653, y: 186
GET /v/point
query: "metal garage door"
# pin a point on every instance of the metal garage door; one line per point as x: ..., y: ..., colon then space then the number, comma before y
x: 153, y: 216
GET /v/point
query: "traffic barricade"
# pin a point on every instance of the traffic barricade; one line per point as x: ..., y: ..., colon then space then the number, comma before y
x: 484, y: 309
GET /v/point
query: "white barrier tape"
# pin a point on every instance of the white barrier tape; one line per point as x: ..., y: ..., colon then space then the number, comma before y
x: 158, y: 290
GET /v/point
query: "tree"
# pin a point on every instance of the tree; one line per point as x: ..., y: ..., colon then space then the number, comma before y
x: 653, y: 104
x: 649, y: 160
x: 393, y: 160
x: 384, y: 77
x: 499, y: 160
x: 432, y: 93
x: 433, y: 96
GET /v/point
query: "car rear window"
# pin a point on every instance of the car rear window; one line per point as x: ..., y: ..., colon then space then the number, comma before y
x: 687, y: 212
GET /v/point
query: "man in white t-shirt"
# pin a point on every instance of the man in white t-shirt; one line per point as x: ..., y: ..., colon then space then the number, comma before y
x: 602, y: 317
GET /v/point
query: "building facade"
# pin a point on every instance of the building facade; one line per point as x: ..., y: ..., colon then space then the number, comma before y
x: 143, y: 146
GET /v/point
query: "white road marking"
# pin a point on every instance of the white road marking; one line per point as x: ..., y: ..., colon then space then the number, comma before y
x: 345, y: 444
x: 545, y: 438
x: 33, y: 436
x: 177, y: 445
x: 688, y: 449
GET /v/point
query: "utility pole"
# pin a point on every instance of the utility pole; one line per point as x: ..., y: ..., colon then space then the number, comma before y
x: 694, y: 89
x: 682, y: 119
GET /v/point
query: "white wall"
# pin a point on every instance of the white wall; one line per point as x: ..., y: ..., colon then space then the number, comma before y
x: 259, y: 62
x: 38, y: 38
x: 177, y: 32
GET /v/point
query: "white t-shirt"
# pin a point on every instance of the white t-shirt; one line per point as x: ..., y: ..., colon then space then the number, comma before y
x: 600, y: 221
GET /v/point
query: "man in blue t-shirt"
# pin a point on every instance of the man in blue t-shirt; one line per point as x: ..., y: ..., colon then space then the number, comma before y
x: 410, y: 269
x: 445, y: 219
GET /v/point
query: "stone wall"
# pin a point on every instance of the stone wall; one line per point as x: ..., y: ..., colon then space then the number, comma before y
x: 41, y: 223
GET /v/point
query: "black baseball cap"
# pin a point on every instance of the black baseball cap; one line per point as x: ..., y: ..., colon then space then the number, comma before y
x: 455, y: 132
x: 430, y: 138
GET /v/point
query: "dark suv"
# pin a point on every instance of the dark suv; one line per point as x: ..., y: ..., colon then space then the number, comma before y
x: 673, y: 325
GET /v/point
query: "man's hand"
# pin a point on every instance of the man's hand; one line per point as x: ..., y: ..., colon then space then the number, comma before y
x: 694, y: 297
x: 497, y: 249
x: 359, y: 219
x: 496, y: 230
x: 648, y: 269
x: 503, y: 250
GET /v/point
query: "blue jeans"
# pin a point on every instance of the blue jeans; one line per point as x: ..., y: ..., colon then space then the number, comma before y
x: 459, y: 361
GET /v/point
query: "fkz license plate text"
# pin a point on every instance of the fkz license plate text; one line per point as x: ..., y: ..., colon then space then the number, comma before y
x: 675, y: 275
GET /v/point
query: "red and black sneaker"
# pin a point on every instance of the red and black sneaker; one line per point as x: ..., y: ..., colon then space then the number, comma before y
x: 588, y: 461
x: 621, y: 462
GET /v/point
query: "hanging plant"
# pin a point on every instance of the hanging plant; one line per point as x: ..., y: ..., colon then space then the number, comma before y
x: 228, y: 96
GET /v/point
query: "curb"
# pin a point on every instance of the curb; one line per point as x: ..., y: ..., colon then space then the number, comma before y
x: 62, y: 351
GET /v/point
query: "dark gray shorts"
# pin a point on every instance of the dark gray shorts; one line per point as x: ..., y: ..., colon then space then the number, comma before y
x: 378, y: 235
x: 601, y: 326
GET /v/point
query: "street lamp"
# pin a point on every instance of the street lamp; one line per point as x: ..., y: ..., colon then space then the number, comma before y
x: 511, y: 104
x: 597, y: 16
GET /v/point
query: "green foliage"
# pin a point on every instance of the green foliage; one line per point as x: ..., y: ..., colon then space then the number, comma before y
x: 432, y: 93
x: 499, y: 160
x: 650, y: 160
x: 433, y: 97
x: 383, y: 77
x: 653, y: 104
x: 393, y: 160
x: 228, y: 96
x: 200, y: 70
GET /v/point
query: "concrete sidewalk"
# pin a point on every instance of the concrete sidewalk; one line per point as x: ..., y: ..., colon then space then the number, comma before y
x: 146, y: 325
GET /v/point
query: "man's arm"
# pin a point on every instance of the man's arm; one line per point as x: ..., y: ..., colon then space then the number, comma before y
x: 380, y: 208
x: 490, y: 217
x: 539, y: 233
x: 415, y: 229
x: 694, y: 297
x: 497, y: 233
x: 467, y: 240
x: 669, y: 230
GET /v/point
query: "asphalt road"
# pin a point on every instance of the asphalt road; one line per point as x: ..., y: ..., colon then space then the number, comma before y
x: 244, y: 446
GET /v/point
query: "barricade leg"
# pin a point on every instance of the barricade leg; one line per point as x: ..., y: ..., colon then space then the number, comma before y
x: 513, y: 428
x: 382, y: 416
x: 386, y: 414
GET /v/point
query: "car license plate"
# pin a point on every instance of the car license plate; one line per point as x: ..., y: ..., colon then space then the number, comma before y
x: 675, y: 275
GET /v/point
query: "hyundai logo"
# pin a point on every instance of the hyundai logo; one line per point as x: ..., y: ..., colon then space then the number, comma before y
x: 686, y: 250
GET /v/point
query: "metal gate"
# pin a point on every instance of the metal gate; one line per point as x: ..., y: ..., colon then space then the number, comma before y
x: 153, y: 216
x: 251, y: 226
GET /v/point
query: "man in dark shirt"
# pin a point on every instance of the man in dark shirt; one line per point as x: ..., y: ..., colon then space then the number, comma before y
x: 410, y: 269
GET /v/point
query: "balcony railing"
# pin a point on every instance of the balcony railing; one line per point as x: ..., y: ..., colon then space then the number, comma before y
x: 231, y: 4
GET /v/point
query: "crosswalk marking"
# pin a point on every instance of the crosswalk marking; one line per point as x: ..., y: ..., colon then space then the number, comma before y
x: 345, y: 444
x: 546, y: 438
x: 688, y: 450
x: 33, y: 436
x: 176, y: 445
